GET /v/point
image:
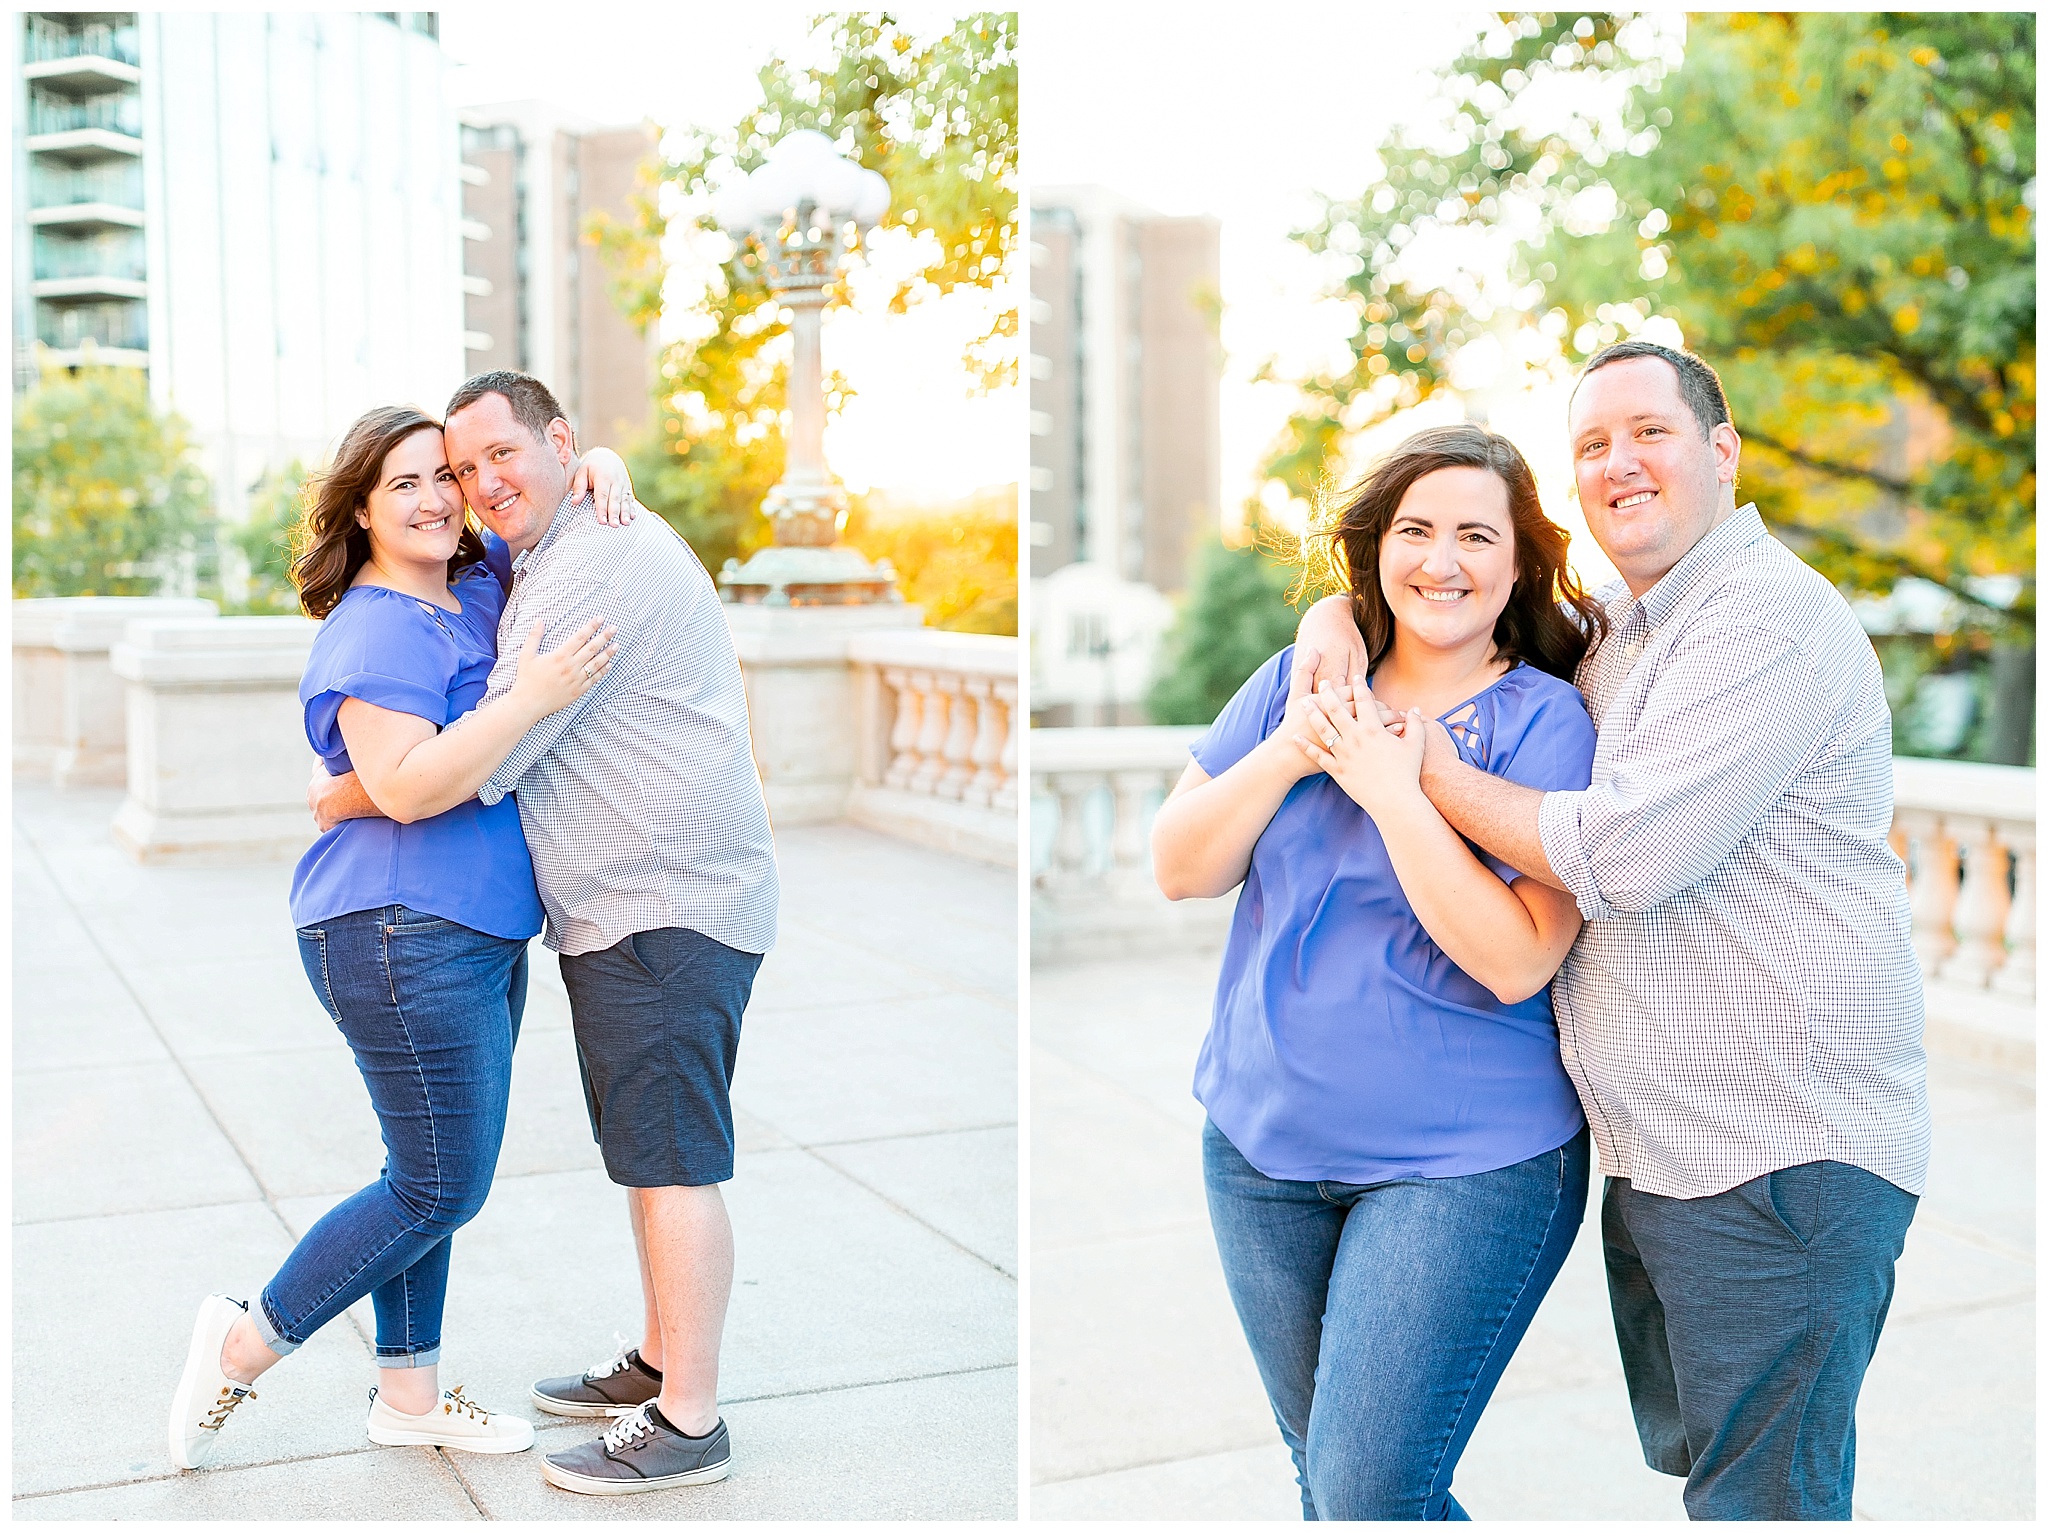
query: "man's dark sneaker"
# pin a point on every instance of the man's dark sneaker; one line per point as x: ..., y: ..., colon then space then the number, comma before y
x: 610, y: 1389
x: 639, y: 1452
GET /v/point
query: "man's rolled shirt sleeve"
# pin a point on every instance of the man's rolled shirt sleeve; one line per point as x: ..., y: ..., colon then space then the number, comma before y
x: 1728, y: 728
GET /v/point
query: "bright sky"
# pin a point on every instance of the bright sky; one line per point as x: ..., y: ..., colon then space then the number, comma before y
x: 1245, y: 117
x: 913, y: 427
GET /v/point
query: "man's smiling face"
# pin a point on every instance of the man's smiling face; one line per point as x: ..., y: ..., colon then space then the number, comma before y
x: 512, y: 479
x: 1652, y: 481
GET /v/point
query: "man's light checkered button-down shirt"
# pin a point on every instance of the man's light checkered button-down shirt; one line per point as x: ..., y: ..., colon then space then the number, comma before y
x: 1745, y: 995
x: 640, y: 800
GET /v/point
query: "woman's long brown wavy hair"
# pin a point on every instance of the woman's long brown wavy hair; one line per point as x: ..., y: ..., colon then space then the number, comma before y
x: 328, y: 545
x: 1549, y: 621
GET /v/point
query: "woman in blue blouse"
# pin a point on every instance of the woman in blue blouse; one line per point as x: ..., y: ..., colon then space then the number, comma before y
x: 412, y: 927
x: 1395, y: 1159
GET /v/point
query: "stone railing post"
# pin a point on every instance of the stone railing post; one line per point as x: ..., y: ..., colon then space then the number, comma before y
x: 805, y: 707
x: 1070, y: 842
x: 2016, y: 976
x: 70, y: 709
x: 1935, y: 879
x: 217, y: 752
x: 1004, y: 798
x: 1981, y: 901
x: 903, y: 735
x: 1095, y: 896
x: 944, y: 704
x: 931, y: 738
x: 986, y: 754
x: 1968, y: 830
x: 959, y: 747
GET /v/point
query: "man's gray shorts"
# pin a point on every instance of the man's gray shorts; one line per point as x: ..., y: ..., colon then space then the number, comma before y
x: 657, y: 1021
x: 1746, y: 1321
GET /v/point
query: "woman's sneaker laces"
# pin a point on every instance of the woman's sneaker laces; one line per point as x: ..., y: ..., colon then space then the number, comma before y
x: 205, y: 1397
x: 455, y: 1421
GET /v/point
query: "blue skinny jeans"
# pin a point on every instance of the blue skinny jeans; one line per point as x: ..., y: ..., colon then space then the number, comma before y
x: 1382, y: 1316
x: 431, y: 1010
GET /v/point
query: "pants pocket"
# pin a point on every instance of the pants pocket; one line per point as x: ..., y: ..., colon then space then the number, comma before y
x: 1793, y: 1197
x: 313, y: 956
x: 405, y: 922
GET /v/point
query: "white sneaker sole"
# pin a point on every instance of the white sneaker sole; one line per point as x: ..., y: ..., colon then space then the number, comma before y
x: 413, y: 1437
x: 583, y: 1484
x: 200, y: 1370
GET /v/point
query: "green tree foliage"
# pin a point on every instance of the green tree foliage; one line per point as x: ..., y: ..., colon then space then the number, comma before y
x: 957, y: 560
x: 265, y: 539
x: 937, y: 116
x: 1235, y: 618
x: 1834, y: 208
x: 106, y: 495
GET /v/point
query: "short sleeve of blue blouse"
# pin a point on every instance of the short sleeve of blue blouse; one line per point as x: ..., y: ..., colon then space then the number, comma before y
x: 1345, y: 1045
x: 468, y: 864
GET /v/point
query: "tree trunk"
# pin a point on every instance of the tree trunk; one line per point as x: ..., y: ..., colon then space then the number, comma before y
x: 2012, y: 704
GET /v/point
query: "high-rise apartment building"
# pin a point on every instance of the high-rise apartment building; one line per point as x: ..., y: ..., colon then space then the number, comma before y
x: 260, y: 208
x: 1125, y: 375
x: 537, y: 296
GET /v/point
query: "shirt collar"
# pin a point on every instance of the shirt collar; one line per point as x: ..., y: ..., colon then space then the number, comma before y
x: 1707, y: 555
x: 555, y: 525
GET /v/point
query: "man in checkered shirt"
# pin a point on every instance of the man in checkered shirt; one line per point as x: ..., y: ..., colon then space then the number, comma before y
x: 1742, y: 1013
x: 651, y: 849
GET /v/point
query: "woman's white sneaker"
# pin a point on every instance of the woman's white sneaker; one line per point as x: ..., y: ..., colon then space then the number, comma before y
x: 456, y: 1421
x: 206, y: 1397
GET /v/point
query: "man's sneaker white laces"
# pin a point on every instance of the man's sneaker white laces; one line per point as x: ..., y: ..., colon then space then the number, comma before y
x: 618, y: 1364
x: 629, y: 1429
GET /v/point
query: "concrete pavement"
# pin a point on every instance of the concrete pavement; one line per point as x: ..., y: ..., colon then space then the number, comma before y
x: 184, y: 1110
x: 1146, y: 1404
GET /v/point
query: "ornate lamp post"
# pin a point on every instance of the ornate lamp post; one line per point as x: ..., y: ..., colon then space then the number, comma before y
x: 797, y: 208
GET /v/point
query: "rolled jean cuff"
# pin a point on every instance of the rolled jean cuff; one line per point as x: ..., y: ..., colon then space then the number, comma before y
x: 426, y: 1359
x: 267, y: 1328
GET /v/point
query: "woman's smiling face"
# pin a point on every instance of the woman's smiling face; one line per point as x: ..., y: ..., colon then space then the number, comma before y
x: 414, y: 513
x: 1447, y: 562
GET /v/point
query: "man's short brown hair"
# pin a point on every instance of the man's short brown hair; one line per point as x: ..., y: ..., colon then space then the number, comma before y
x: 532, y: 404
x: 1698, y: 384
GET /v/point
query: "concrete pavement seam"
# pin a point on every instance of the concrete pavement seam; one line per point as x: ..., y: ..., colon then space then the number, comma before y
x: 461, y: 1479
x: 180, y: 1474
x: 834, y: 1166
x: 835, y: 1389
x: 269, y: 1198
x: 558, y: 1424
x: 1153, y: 1463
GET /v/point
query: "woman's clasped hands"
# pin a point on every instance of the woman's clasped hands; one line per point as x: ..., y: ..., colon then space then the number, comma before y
x: 1371, y: 752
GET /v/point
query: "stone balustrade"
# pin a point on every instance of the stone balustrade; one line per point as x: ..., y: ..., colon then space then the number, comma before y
x: 70, y: 709
x: 1093, y: 795
x: 936, y: 732
x: 217, y: 753
x: 855, y: 715
x: 1965, y: 832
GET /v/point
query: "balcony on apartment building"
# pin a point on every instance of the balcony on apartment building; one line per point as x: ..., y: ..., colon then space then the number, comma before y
x: 107, y: 265
x: 110, y: 332
x: 85, y: 199
x: 82, y: 60
x: 83, y: 130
